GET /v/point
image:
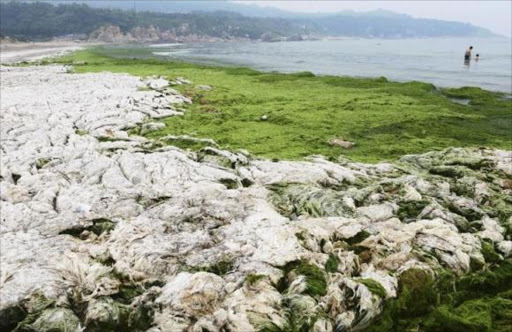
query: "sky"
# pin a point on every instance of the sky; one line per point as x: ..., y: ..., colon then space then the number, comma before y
x: 493, y: 15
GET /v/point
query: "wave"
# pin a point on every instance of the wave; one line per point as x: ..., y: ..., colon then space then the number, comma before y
x: 164, y: 45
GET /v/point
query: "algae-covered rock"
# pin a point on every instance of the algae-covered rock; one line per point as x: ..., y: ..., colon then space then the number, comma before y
x: 11, y: 317
x: 302, y: 277
x: 104, y: 314
x: 295, y: 199
x: 193, y: 294
x: 415, y: 292
x: 487, y: 314
x: 57, y: 320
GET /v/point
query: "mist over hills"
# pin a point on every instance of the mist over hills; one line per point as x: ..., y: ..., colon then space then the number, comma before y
x: 157, y: 21
x: 188, y: 7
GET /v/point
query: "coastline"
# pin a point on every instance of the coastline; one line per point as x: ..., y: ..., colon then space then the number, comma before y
x: 444, y: 67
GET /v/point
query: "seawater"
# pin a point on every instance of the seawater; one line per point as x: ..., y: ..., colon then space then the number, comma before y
x: 438, y: 60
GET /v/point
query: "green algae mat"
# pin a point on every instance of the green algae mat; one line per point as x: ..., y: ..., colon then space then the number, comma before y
x: 290, y: 116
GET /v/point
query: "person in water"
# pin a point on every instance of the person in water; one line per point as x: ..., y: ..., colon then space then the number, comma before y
x: 467, y: 55
x: 477, y: 57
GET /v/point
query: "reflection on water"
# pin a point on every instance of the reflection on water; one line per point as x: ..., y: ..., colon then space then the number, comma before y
x: 467, y: 62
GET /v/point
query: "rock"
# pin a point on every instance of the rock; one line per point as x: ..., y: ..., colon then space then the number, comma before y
x: 377, y: 212
x: 341, y: 143
x: 151, y: 126
x: 181, y: 80
x: 109, y: 34
x: 157, y: 83
x: 411, y: 194
x: 193, y: 294
x: 222, y: 158
x: 505, y: 247
x: 105, y: 314
x: 204, y: 87
x: 187, y: 139
x: 58, y: 319
x: 491, y: 230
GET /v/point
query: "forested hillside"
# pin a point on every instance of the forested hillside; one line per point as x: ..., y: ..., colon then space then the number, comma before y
x: 40, y: 21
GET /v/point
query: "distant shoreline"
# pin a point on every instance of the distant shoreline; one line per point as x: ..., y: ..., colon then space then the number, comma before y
x: 12, y: 52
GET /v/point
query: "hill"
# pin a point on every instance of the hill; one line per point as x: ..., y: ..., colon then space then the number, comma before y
x: 42, y: 20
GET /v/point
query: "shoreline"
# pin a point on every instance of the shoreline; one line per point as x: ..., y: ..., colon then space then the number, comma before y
x: 14, y: 52
x: 452, y: 77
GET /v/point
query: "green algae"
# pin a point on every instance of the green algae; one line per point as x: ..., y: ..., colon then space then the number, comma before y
x: 500, y: 206
x: 148, y: 202
x: 469, y: 213
x: 470, y: 316
x: 315, y: 278
x: 81, y: 132
x: 251, y: 279
x: 477, y: 301
x: 385, y: 119
x: 230, y: 183
x: 300, y: 312
x: 332, y: 264
x: 472, y: 163
x: 222, y: 267
x: 358, y: 238
x: 102, y: 139
x: 489, y: 253
x: 411, y: 209
x: 463, y: 189
x: 208, y: 154
x: 187, y: 144
x: 41, y: 162
x: 374, y: 287
x: 98, y: 227
x: 416, y: 291
x: 449, y: 171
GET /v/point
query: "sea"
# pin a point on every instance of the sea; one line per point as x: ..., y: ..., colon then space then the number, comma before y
x: 437, y: 60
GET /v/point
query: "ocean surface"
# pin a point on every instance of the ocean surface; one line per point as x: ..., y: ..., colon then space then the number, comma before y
x: 438, y: 61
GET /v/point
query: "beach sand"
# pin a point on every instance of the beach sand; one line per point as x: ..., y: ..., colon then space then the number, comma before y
x: 12, y: 52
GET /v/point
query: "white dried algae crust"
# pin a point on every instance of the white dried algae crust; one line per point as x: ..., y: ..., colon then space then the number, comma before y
x: 121, y: 234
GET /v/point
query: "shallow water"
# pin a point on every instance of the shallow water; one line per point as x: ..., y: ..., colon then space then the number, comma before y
x: 439, y: 61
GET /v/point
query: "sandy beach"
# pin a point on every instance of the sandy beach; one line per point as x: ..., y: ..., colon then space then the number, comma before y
x: 12, y: 52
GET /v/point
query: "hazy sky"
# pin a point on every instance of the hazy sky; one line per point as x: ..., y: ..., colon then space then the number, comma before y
x: 494, y: 15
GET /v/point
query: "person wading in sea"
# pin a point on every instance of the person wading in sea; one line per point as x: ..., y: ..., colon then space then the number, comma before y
x: 467, y: 56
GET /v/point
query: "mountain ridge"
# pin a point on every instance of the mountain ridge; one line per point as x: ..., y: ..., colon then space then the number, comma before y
x: 46, y: 20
